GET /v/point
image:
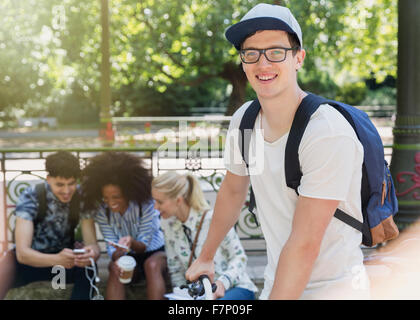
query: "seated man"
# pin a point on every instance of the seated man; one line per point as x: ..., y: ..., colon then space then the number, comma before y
x: 46, y: 218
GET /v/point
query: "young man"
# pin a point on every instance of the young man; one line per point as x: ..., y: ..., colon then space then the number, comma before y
x: 311, y: 254
x: 44, y: 243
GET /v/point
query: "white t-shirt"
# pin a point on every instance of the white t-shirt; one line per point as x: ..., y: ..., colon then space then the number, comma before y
x: 331, y: 158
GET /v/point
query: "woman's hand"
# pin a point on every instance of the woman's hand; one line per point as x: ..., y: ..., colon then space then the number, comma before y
x: 220, y: 291
x: 121, y: 251
x: 126, y: 241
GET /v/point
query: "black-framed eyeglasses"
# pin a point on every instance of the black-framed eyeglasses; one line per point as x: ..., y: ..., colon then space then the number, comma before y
x: 277, y: 54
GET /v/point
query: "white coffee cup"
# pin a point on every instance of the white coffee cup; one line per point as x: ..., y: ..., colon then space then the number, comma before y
x: 127, y: 265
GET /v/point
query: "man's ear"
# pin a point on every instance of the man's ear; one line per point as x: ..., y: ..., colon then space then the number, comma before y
x: 300, y: 57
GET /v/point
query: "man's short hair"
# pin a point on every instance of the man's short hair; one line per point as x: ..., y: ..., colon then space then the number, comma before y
x: 293, y: 39
x: 62, y: 164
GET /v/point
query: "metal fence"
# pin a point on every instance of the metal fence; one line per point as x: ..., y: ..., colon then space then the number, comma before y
x: 21, y: 168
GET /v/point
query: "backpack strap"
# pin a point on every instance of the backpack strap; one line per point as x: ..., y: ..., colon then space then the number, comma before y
x: 246, y: 126
x: 303, y: 114
x: 74, y: 211
x: 293, y: 173
x: 41, y: 193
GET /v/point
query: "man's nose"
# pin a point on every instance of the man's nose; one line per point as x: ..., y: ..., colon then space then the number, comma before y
x: 263, y: 60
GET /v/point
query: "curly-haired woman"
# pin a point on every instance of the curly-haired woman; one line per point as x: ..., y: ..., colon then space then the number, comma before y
x: 117, y: 188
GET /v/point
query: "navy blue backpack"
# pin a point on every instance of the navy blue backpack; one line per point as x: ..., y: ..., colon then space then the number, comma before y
x: 379, y: 201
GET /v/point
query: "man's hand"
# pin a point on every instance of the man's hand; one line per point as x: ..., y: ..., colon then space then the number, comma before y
x: 66, y: 258
x: 83, y: 259
x: 199, y: 268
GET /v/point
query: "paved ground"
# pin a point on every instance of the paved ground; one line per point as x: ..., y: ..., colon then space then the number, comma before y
x: 32, y: 138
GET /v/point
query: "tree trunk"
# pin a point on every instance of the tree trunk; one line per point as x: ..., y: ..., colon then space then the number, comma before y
x: 105, y: 63
x: 106, y: 132
x: 235, y: 75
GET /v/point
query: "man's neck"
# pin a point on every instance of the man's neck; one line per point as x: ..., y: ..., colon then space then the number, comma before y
x: 278, y: 113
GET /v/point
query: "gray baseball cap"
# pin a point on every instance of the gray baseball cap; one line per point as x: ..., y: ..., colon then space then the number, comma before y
x: 263, y: 17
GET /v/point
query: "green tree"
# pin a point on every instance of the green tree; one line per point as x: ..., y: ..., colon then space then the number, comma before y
x: 170, y: 56
x: 168, y: 44
x: 43, y: 45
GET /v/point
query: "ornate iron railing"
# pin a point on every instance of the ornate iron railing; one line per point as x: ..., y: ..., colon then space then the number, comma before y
x: 22, y: 167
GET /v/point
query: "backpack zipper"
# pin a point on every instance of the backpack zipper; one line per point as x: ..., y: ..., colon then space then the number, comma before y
x: 383, y: 192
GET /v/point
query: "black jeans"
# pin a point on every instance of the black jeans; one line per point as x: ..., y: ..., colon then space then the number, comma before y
x: 26, y: 274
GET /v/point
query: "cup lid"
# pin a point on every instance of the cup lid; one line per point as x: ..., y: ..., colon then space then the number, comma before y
x: 126, y: 262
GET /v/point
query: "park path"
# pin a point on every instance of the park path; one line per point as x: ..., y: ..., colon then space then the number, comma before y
x: 80, y: 138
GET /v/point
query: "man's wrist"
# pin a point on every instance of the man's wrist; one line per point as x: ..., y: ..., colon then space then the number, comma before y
x: 206, y: 255
x: 95, y: 251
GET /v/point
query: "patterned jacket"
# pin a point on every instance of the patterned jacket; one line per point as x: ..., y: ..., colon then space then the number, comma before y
x: 230, y: 259
x: 50, y: 234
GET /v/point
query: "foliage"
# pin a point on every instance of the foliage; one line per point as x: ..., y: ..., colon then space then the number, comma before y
x: 352, y: 93
x: 385, y: 96
x: 169, y: 56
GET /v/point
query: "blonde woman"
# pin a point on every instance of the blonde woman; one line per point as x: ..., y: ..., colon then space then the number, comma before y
x: 186, y: 213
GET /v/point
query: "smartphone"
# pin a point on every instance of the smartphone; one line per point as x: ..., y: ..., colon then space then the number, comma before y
x: 79, y: 251
x: 116, y: 244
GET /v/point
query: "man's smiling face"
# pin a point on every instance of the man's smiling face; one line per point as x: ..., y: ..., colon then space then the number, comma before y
x: 62, y: 188
x: 271, y: 79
